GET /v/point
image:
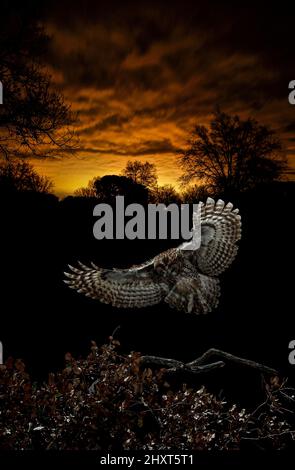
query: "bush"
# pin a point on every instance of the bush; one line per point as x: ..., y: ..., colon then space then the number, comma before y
x: 108, y: 402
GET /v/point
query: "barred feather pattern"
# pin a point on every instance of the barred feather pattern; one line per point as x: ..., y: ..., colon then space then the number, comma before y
x: 221, y: 230
x: 120, y: 288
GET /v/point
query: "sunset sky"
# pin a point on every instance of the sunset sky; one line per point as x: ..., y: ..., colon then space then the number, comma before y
x: 141, y: 74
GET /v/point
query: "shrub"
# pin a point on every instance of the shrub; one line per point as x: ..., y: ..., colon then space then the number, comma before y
x: 108, y: 402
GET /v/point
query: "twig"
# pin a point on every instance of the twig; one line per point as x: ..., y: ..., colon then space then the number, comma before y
x: 269, y: 436
x: 115, y: 331
x: 231, y: 358
x: 175, y: 367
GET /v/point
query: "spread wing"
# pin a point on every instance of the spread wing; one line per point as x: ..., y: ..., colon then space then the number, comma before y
x: 129, y: 288
x: 220, y: 231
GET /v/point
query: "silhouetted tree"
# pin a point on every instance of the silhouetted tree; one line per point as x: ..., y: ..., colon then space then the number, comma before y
x: 110, y: 186
x: 89, y: 190
x: 233, y: 155
x: 18, y: 175
x: 34, y: 119
x: 143, y: 173
x: 195, y: 193
x: 166, y: 194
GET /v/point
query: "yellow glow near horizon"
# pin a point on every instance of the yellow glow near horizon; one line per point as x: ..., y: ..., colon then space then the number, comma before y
x: 71, y: 173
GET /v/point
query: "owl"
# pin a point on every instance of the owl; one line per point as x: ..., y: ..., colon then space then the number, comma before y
x: 185, y: 279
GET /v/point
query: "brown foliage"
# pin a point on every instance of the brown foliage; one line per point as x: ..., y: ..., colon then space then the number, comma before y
x: 108, y: 402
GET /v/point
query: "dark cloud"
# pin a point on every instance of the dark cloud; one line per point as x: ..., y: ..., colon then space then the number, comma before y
x: 152, y: 147
x: 113, y: 121
x: 92, y: 42
x: 148, y: 147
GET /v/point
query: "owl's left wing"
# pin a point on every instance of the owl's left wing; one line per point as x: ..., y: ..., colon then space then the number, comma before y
x: 125, y: 288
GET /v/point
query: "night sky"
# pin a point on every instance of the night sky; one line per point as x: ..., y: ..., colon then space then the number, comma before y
x: 141, y: 74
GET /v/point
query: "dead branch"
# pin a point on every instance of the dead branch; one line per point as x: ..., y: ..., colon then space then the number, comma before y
x: 201, y: 365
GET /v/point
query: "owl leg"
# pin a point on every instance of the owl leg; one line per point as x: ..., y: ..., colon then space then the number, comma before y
x: 194, y: 295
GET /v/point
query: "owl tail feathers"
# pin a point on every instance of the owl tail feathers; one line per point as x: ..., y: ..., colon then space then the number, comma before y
x: 199, y: 296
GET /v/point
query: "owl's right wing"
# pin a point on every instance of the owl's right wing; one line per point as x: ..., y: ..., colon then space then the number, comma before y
x: 123, y: 288
x: 220, y: 232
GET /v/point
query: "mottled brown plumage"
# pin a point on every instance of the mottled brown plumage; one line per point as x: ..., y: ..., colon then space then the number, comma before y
x: 186, y: 279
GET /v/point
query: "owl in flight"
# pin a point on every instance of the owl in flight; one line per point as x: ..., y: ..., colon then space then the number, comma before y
x: 185, y: 279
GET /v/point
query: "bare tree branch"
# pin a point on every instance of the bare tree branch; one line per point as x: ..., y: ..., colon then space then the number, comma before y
x: 200, y: 365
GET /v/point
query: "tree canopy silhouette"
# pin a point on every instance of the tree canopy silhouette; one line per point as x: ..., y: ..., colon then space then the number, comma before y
x: 143, y: 173
x: 195, y: 193
x: 232, y: 155
x: 166, y: 194
x: 89, y: 190
x: 107, y: 187
x: 34, y: 118
x: 18, y: 175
